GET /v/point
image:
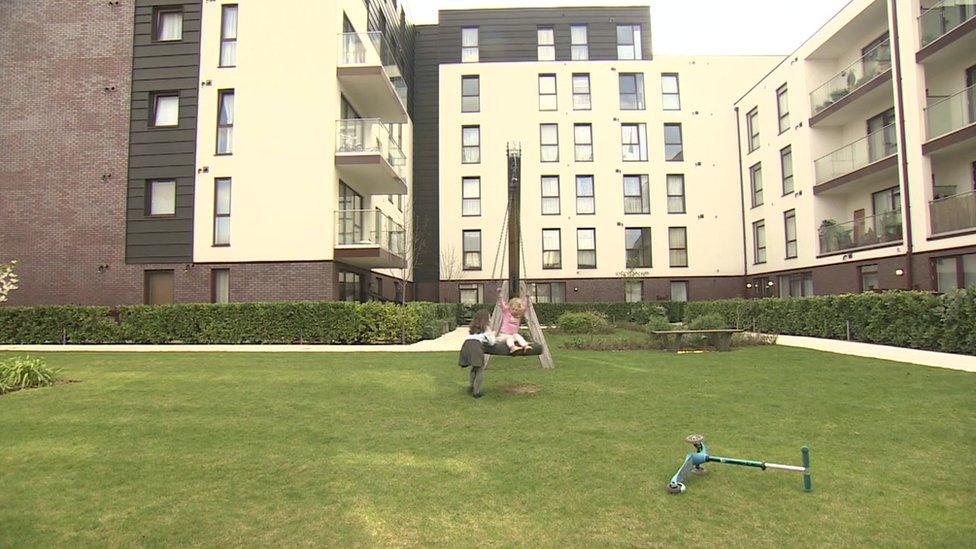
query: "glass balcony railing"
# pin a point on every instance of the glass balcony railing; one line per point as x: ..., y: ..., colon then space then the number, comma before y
x: 870, y: 65
x: 370, y: 136
x: 953, y: 213
x: 371, y: 49
x: 951, y: 113
x: 870, y: 231
x: 854, y: 156
x: 944, y: 16
x: 368, y: 229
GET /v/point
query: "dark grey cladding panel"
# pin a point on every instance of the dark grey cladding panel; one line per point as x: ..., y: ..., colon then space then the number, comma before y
x: 398, y: 32
x: 163, y: 153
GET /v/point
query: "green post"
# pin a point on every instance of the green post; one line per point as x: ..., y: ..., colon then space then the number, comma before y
x: 807, y: 483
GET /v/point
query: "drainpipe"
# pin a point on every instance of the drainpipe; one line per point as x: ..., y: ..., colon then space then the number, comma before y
x: 902, y: 149
x: 742, y: 205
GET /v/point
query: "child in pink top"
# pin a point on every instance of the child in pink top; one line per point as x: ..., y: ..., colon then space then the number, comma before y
x: 512, y: 313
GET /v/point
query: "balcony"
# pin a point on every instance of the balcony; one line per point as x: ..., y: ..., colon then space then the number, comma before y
x: 869, y: 232
x: 368, y: 159
x: 947, y: 117
x: 943, y: 23
x: 953, y: 213
x: 369, y: 239
x: 368, y: 73
x: 860, y: 77
x: 869, y: 155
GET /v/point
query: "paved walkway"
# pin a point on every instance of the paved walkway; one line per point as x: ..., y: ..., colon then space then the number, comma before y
x: 951, y: 361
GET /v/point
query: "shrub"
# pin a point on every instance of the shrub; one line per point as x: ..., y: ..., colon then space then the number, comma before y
x: 25, y: 372
x: 658, y: 324
x: 604, y: 344
x: 583, y: 323
x: 713, y: 321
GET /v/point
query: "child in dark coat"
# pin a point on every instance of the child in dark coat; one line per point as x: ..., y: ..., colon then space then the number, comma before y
x: 473, y: 351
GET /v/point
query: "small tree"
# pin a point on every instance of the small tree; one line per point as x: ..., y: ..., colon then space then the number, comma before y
x: 450, y: 263
x: 8, y: 279
x: 413, y: 243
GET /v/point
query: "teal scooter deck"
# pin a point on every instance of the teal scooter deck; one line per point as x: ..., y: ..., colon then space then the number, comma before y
x: 694, y: 461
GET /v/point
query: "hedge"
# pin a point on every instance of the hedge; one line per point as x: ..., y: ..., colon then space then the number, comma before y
x: 638, y: 313
x: 298, y: 322
x: 916, y: 320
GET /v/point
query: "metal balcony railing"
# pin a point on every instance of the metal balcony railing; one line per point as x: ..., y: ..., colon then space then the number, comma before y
x: 854, y: 156
x: 953, y: 213
x: 370, y: 136
x: 951, y: 113
x: 859, y: 233
x: 368, y: 229
x: 944, y: 16
x: 860, y: 72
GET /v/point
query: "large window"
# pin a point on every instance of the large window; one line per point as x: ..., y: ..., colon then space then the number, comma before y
x: 547, y: 43
x: 580, y: 42
x: 789, y: 222
x: 759, y: 241
x: 471, y: 294
x: 161, y: 197
x: 548, y: 292
x: 752, y: 126
x: 585, y: 200
x: 786, y: 164
x: 549, y: 142
x: 583, y: 135
x: 550, y: 195
x: 552, y: 255
x: 633, y: 138
x: 670, y: 92
x: 159, y: 287
x: 636, y: 194
x: 638, y: 247
x: 783, y: 108
x: 676, y: 194
x: 471, y: 144
x: 471, y: 196
x: 547, y: 92
x: 678, y: 246
x: 228, y: 36
x: 581, y: 92
x: 165, y: 109
x: 220, y: 285
x: 631, y: 91
x: 350, y: 286
x: 679, y: 290
x: 470, y: 94
x: 955, y: 272
x: 633, y: 291
x: 628, y: 42
x: 225, y: 122
x: 469, y: 45
x: 471, y: 246
x: 674, y: 150
x: 756, y: 184
x: 796, y: 285
x: 168, y: 24
x: 586, y: 248
x: 222, y: 212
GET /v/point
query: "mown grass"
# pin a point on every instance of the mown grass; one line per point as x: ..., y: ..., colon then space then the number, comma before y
x: 383, y: 449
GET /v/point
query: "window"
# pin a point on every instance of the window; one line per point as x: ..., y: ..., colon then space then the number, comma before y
x: 159, y: 288
x: 160, y: 197
x: 634, y: 291
x: 165, y: 110
x: 471, y: 245
x: 550, y: 195
x: 783, y: 108
x: 222, y: 212
x: 581, y: 92
x: 752, y: 126
x: 471, y: 144
x: 869, y: 277
x: 350, y: 286
x: 469, y: 45
x: 168, y: 24
x: 786, y: 164
x: 759, y: 241
x: 585, y: 201
x: 789, y: 222
x: 586, y: 248
x: 470, y: 196
x: 552, y: 256
x: 549, y: 140
x: 548, y: 292
x: 763, y: 286
x: 678, y: 246
x: 470, y: 94
x: 956, y: 272
x: 471, y: 294
x: 225, y: 122
x: 634, y: 141
x: 547, y: 43
x: 547, y: 92
x: 583, y: 134
x: 676, y: 194
x: 670, y: 92
x: 636, y: 195
x: 228, y: 36
x: 220, y: 285
x: 679, y: 290
x: 631, y: 91
x: 674, y: 150
x: 638, y: 247
x: 796, y: 285
x: 580, y: 43
x: 755, y: 180
x: 628, y: 41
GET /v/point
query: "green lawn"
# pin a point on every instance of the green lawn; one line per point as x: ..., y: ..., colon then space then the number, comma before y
x: 383, y: 449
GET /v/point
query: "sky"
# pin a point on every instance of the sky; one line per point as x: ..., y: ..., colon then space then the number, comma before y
x: 692, y: 27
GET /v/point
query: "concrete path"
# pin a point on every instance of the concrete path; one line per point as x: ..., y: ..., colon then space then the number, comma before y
x: 950, y: 361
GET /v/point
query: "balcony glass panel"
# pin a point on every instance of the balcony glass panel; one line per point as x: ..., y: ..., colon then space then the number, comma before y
x: 371, y: 49
x: 870, y: 231
x: 953, y: 213
x: 854, y: 156
x: 368, y: 229
x: 951, y: 113
x: 860, y: 72
x: 370, y: 136
x: 944, y: 16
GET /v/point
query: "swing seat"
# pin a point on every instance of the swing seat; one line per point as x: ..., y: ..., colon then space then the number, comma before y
x: 501, y: 349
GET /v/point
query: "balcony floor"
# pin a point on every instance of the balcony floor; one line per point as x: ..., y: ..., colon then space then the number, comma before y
x: 876, y: 171
x: 368, y: 257
x: 370, y: 89
x: 369, y: 173
x: 853, y: 105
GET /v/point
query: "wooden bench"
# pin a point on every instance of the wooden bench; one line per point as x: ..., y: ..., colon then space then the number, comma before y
x: 720, y: 339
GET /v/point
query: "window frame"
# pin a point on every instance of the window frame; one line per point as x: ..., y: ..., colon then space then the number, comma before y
x: 221, y: 97
x: 588, y: 94
x: 223, y: 31
x: 574, y: 45
x: 543, y: 144
x: 683, y: 196
x: 680, y: 156
x: 783, y: 153
x: 541, y: 46
x: 475, y: 49
x: 465, y: 251
x: 544, y: 197
x: 214, y: 289
x: 647, y: 247
x: 687, y: 287
x: 591, y: 196
x: 217, y: 214
x: 558, y: 250
x: 788, y: 217
x: 147, y: 294
x: 477, y: 80
x: 782, y: 96
x: 860, y: 277
x: 554, y: 95
x: 150, y: 184
x: 636, y: 41
x: 672, y: 248
x: 548, y: 286
x: 756, y: 193
x: 752, y: 129
x: 477, y: 287
x: 757, y: 257
x: 576, y: 144
x: 960, y: 266
x: 628, y: 283
x: 476, y: 148
x: 158, y: 13
x: 579, y: 265
x: 644, y: 189
x: 665, y: 94
x: 469, y: 199
x: 639, y: 94
x: 154, y: 98
x: 641, y: 141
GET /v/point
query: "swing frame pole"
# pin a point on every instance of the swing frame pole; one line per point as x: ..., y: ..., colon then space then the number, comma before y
x: 514, y: 152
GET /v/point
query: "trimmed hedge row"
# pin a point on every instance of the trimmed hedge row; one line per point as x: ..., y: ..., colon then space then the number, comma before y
x: 916, y: 320
x: 299, y: 322
x: 549, y: 313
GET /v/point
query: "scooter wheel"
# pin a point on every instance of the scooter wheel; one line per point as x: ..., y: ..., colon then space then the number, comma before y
x: 678, y: 488
x: 694, y: 439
